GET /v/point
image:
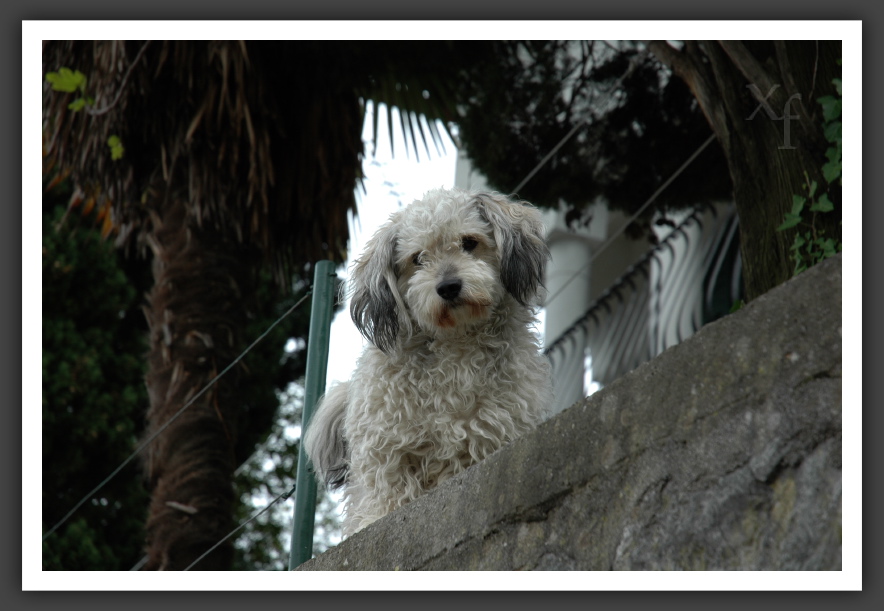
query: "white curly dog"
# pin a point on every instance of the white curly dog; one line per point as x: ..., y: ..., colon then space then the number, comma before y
x: 446, y: 293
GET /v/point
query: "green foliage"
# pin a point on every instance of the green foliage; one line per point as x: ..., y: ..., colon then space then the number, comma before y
x: 67, y: 80
x: 832, y: 132
x: 811, y: 245
x: 116, y: 147
x: 72, y: 81
x: 634, y: 128
x: 93, y: 397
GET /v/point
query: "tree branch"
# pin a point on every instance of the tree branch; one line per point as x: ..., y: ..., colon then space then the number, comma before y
x: 748, y: 65
x: 688, y: 66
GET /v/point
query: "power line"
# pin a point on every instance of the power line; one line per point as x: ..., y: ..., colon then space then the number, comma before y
x: 150, y: 439
x: 283, y: 496
x: 633, y: 64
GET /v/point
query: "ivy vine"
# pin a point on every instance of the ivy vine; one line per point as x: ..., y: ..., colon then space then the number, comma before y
x: 811, y: 245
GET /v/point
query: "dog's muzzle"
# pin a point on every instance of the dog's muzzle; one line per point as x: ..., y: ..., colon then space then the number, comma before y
x: 449, y: 290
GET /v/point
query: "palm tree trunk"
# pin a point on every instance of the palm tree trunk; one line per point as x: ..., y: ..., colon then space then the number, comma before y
x: 196, y: 311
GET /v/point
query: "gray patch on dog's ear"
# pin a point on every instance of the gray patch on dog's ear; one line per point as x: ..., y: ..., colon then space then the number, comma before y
x: 522, y: 248
x: 375, y: 305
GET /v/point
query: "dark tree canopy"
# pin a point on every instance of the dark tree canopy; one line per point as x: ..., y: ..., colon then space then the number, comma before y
x: 93, y: 396
x: 636, y: 126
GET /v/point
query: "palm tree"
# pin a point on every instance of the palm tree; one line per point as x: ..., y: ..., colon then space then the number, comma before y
x: 235, y: 157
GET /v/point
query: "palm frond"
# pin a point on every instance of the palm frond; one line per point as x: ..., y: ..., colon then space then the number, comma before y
x: 422, y: 104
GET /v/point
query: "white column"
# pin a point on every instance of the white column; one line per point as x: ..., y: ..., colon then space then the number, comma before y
x: 568, y: 293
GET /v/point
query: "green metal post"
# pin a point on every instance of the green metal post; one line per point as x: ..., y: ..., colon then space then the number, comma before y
x: 317, y: 364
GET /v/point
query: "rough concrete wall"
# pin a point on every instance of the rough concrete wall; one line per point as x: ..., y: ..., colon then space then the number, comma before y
x: 722, y: 453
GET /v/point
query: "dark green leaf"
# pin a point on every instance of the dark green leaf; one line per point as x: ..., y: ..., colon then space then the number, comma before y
x: 831, y: 107
x: 828, y: 247
x: 832, y: 132
x: 824, y: 204
x: 831, y: 171
x: 791, y: 221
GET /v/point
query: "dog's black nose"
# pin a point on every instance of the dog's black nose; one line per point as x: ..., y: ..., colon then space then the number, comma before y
x: 449, y: 289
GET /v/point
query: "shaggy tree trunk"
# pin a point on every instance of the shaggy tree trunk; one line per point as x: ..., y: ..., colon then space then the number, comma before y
x: 760, y: 100
x: 196, y: 313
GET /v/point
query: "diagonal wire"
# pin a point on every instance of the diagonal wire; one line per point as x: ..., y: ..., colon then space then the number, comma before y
x: 633, y: 64
x: 283, y: 496
x: 174, y: 417
x: 644, y: 206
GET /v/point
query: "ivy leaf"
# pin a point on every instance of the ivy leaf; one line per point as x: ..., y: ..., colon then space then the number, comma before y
x: 828, y: 247
x: 831, y: 107
x: 77, y: 104
x: 812, y: 189
x: 832, y: 132
x: 831, y: 171
x: 824, y: 204
x: 791, y: 221
x: 67, y: 80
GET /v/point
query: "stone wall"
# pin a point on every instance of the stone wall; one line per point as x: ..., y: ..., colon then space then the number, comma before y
x: 724, y: 452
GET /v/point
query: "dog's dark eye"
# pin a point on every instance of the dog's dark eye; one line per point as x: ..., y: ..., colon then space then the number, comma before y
x: 416, y: 259
x: 469, y: 244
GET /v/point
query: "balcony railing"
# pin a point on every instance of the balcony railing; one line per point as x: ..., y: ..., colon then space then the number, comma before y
x: 691, y: 277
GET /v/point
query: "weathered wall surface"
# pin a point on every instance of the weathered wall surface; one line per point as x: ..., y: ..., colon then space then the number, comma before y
x: 722, y: 453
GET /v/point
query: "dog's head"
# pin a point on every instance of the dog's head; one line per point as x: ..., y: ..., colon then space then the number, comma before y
x: 445, y: 263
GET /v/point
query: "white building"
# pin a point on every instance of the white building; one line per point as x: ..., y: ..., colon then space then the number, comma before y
x: 613, y: 302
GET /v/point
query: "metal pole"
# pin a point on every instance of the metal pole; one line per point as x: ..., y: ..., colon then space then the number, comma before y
x: 314, y: 387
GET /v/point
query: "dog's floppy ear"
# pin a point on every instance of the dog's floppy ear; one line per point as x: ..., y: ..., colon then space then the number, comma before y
x: 518, y: 232
x: 376, y: 301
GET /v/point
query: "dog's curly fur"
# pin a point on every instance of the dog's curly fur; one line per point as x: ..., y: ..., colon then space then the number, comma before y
x: 445, y: 292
